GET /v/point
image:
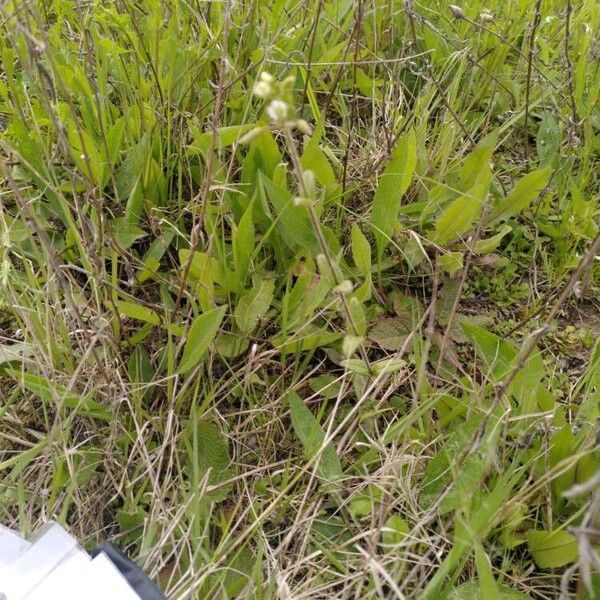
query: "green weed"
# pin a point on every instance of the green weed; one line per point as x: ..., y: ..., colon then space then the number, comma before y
x: 298, y: 299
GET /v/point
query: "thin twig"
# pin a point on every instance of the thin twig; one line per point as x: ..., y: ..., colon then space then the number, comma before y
x: 309, y: 64
x: 537, y: 15
x: 569, y: 64
x: 461, y: 285
x: 323, y: 245
x: 429, y: 333
x: 354, y: 100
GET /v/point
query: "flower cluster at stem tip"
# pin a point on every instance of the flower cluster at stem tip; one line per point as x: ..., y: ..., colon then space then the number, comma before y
x: 279, y: 95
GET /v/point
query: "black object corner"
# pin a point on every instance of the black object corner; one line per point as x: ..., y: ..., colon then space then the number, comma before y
x: 145, y: 588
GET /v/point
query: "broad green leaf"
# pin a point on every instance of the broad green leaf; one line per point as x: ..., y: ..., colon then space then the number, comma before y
x: 231, y: 345
x: 548, y: 140
x: 312, y: 436
x: 326, y: 385
x: 141, y: 373
x: 201, y: 262
x: 462, y: 213
x: 487, y: 584
x: 523, y: 192
x: 28, y: 147
x: 394, y: 531
x: 359, y: 319
x: 263, y: 156
x: 490, y: 244
x: 17, y: 351
x: 55, y: 393
x: 360, y: 506
x: 497, y: 353
x: 364, y: 501
x: 114, y: 140
x: 313, y: 158
x: 153, y: 256
x: 253, y: 305
x: 201, y: 334
x: 450, y: 262
x: 307, y: 295
x: 226, y: 136
x: 387, y: 365
x: 86, y: 154
x: 471, y: 591
x: 243, y: 239
x: 330, y: 528
x: 477, y: 163
x: 391, y: 333
x: 446, y: 299
x: 361, y: 251
x: 130, y: 171
x: 209, y: 452
x: 356, y: 365
x: 367, y: 86
x: 563, y: 444
x: 394, y: 181
x: 351, y: 343
x: 135, y: 204
x: 552, y: 549
x: 308, y: 338
x: 212, y: 447
x: 471, y: 472
x: 126, y: 233
x: 136, y: 311
x: 589, y: 408
x: 293, y: 222
x: 203, y: 273
x: 130, y: 520
x: 438, y: 472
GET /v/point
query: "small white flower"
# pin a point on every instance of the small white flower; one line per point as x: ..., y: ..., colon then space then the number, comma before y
x: 82, y: 156
x: 304, y: 127
x: 262, y: 89
x: 277, y: 111
x: 266, y: 77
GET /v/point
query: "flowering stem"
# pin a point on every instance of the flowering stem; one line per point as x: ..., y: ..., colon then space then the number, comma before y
x: 325, y: 250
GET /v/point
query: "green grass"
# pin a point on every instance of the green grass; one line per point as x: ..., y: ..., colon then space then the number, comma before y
x: 346, y: 352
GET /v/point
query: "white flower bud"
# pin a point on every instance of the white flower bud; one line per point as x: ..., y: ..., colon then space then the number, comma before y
x: 304, y: 127
x: 262, y: 89
x: 486, y: 17
x: 253, y: 133
x: 266, y: 77
x: 277, y: 111
x: 457, y: 11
